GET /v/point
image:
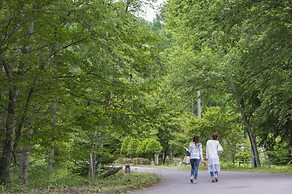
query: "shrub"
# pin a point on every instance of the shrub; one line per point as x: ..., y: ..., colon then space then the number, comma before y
x: 133, y: 161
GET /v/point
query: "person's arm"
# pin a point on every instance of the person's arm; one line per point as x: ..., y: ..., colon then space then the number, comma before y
x: 188, y: 149
x: 219, y: 148
x: 207, y: 151
x: 201, y: 153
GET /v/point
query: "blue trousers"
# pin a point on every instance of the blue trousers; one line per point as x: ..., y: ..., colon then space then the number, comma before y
x: 215, y: 173
x: 214, y: 169
x: 195, y: 167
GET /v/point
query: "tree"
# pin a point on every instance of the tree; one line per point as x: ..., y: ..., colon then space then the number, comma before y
x: 231, y: 33
x: 95, y: 66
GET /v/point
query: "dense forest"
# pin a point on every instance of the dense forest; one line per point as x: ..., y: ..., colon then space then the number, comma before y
x: 87, y: 83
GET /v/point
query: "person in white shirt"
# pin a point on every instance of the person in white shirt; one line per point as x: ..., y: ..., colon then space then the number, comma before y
x: 196, y: 155
x: 213, y: 149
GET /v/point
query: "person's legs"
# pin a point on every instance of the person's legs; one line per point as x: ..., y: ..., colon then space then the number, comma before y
x: 212, y: 173
x: 216, y: 176
x: 192, y: 161
x: 216, y: 172
x: 196, y: 171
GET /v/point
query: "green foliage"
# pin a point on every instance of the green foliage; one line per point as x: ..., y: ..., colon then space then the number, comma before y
x: 120, y: 182
x: 107, y: 82
x: 59, y: 181
x: 125, y: 144
x: 242, y: 156
x: 41, y: 180
x: 153, y: 146
x: 141, y: 150
x: 147, y: 147
x: 264, y: 169
x: 132, y: 147
x: 98, y: 68
x: 236, y: 47
x: 133, y: 161
x: 280, y: 153
x: 216, y: 120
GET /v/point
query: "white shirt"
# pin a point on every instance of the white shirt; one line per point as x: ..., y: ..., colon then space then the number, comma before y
x: 195, y: 151
x: 212, y: 147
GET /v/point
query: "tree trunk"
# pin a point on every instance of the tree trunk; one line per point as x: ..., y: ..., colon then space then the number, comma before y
x: 164, y: 156
x: 10, y: 126
x: 199, y: 111
x: 1, y: 67
x: 101, y: 145
x: 111, y: 172
x: 51, y: 160
x: 240, y: 105
x: 92, y: 171
x: 255, y: 154
x: 23, y: 161
x: 156, y: 159
x: 52, y: 150
x: 23, y: 118
x: 193, y: 106
x: 93, y: 161
x: 6, y: 157
x: 170, y: 152
x: 21, y: 71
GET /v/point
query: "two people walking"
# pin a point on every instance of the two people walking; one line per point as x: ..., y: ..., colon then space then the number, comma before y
x: 213, y: 149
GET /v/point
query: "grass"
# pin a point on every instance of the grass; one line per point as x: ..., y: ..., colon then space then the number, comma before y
x: 61, y: 182
x: 267, y: 169
x: 235, y: 167
x: 125, y: 182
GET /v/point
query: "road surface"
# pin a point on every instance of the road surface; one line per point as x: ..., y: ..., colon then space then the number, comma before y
x: 178, y: 182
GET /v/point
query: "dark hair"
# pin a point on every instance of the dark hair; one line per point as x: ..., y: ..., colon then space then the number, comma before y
x: 215, y: 136
x: 196, y: 139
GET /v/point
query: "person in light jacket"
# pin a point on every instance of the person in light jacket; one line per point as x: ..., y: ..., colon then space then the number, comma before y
x: 213, y: 149
x: 196, y: 155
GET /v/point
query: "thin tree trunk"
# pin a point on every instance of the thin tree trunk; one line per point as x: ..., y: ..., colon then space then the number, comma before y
x: 101, y: 145
x: 1, y: 67
x: 255, y: 154
x: 9, y: 130
x: 23, y: 118
x: 156, y: 159
x: 92, y: 173
x: 21, y: 71
x: 23, y: 161
x: 199, y: 111
x: 26, y: 156
x: 193, y: 106
x: 164, y: 156
x: 128, y: 3
x: 21, y: 155
x: 52, y: 149
x: 170, y: 152
x: 51, y: 160
x: 92, y: 162
x: 240, y: 105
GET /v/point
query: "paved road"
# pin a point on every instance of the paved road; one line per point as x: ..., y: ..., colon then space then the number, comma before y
x: 177, y: 182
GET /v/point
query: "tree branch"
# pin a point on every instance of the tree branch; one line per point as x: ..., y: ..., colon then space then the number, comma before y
x: 66, y: 46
